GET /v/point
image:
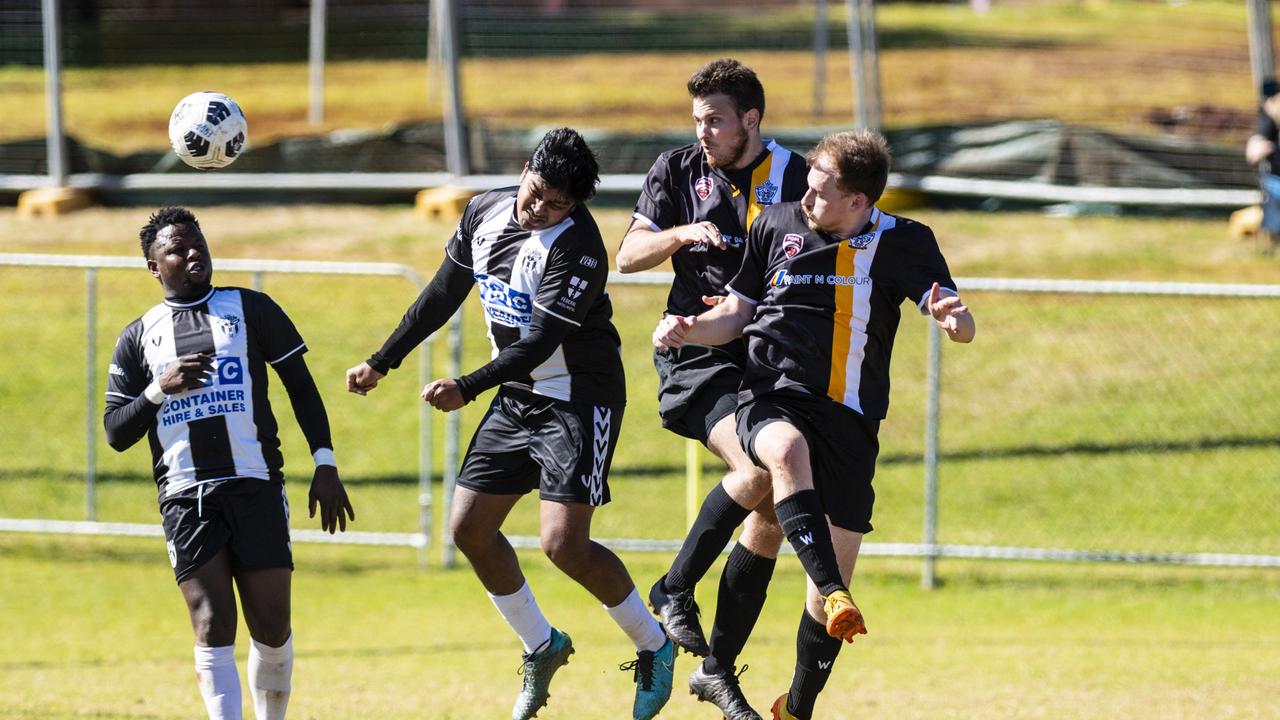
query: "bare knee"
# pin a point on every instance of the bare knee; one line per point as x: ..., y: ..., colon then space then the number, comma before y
x: 212, y: 626
x: 748, y: 486
x: 782, y: 451
x: 470, y: 537
x: 569, y: 553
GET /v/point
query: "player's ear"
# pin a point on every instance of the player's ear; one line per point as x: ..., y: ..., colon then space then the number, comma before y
x: 153, y: 268
x: 751, y: 119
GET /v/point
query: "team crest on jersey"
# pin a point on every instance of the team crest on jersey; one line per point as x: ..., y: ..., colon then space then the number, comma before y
x: 531, y: 261
x: 703, y: 187
x: 792, y: 243
x: 766, y: 193
x: 230, y: 325
x: 860, y: 242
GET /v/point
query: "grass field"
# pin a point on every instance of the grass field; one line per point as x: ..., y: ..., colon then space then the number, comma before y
x: 1089, y: 63
x: 1068, y: 423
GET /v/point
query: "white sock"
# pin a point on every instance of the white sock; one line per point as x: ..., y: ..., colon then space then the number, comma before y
x: 219, y: 681
x: 270, y: 676
x: 521, y: 612
x: 634, y: 619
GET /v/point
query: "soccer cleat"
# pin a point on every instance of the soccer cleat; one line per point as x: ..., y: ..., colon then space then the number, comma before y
x: 653, y: 670
x: 723, y: 691
x: 537, y: 669
x: 780, y: 711
x: 679, y: 613
x: 844, y: 619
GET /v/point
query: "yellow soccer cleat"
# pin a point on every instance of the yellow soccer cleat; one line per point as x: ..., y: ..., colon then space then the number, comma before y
x: 780, y: 711
x: 844, y: 619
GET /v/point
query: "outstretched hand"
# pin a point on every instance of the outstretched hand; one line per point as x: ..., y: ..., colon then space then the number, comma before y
x: 328, y: 492
x: 951, y: 314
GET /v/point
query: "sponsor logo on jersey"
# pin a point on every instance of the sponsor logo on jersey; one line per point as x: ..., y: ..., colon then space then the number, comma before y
x: 703, y: 186
x: 230, y: 371
x: 115, y: 369
x: 588, y: 261
x: 766, y: 193
x: 229, y: 325
x: 198, y: 404
x: 782, y: 278
x: 576, y: 286
x: 792, y: 244
x: 502, y: 303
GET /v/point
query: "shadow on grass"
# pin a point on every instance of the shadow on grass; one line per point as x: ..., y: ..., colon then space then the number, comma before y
x: 1227, y: 442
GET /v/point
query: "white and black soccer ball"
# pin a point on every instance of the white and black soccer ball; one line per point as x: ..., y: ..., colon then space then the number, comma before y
x: 208, y: 130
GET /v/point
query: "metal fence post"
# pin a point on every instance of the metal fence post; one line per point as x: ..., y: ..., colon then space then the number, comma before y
x: 451, y: 442
x: 55, y: 142
x: 90, y: 394
x: 315, y: 62
x: 426, y: 459
x: 928, y: 577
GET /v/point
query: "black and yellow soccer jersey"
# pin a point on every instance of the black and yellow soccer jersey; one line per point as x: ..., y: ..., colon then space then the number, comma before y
x: 682, y: 188
x: 827, y: 308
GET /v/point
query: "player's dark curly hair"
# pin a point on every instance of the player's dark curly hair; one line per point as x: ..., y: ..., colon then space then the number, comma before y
x: 565, y: 163
x: 727, y: 76
x: 163, y: 218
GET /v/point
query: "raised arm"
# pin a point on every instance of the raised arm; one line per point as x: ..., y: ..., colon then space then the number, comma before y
x: 644, y: 248
x: 435, y: 305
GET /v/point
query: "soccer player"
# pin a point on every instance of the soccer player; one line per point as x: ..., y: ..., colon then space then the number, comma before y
x: 536, y: 256
x: 697, y: 204
x: 817, y: 299
x: 191, y: 375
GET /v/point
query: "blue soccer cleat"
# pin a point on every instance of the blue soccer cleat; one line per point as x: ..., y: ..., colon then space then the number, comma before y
x: 537, y: 668
x: 653, y: 672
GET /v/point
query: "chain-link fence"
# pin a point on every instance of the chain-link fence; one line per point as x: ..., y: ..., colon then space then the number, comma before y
x: 1111, y: 94
x: 1089, y: 421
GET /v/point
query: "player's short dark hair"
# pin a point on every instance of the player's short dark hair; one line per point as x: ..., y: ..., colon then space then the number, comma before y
x: 566, y: 163
x: 161, y: 219
x: 860, y: 159
x: 727, y: 76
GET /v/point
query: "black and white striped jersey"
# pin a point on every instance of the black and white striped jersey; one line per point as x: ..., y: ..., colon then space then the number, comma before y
x: 559, y: 272
x: 225, y: 429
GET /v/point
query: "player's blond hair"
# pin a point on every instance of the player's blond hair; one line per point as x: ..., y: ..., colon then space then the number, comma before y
x: 858, y: 158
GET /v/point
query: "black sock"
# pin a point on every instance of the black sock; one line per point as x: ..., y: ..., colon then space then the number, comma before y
x: 718, y: 517
x: 742, y: 591
x: 805, y: 525
x: 816, y: 653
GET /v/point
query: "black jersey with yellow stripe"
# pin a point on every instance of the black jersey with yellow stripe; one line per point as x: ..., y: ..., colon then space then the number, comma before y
x: 827, y: 308
x: 682, y: 188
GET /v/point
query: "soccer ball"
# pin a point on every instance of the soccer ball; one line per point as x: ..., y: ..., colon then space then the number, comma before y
x: 208, y: 130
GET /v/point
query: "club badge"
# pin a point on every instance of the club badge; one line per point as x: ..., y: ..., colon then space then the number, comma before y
x: 703, y: 187
x: 860, y: 242
x: 766, y: 193
x: 792, y: 243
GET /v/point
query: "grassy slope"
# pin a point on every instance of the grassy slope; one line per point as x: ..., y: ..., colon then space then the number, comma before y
x: 940, y: 63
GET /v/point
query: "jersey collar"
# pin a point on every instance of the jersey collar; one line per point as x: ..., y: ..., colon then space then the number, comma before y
x: 191, y: 303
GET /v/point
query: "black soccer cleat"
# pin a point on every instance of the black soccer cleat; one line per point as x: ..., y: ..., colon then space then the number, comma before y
x: 679, y: 613
x: 724, y: 692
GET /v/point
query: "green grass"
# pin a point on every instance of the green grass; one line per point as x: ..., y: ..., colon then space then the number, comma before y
x: 1089, y: 63
x: 105, y: 636
x: 1100, y: 423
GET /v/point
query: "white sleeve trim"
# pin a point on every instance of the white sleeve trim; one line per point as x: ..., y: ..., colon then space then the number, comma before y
x: 122, y: 395
x: 324, y: 456
x: 153, y: 393
x: 652, y: 225
x: 740, y: 295
x: 924, y: 299
x: 554, y: 314
x: 455, y: 260
x: 291, y: 352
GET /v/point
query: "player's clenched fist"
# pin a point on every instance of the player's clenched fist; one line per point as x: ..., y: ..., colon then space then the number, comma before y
x: 362, y: 378
x: 671, y: 331
x: 186, y: 373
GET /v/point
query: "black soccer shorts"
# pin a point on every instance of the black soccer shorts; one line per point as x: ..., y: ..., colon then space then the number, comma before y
x: 248, y: 516
x: 843, y: 445
x: 527, y: 441
x: 697, y: 387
